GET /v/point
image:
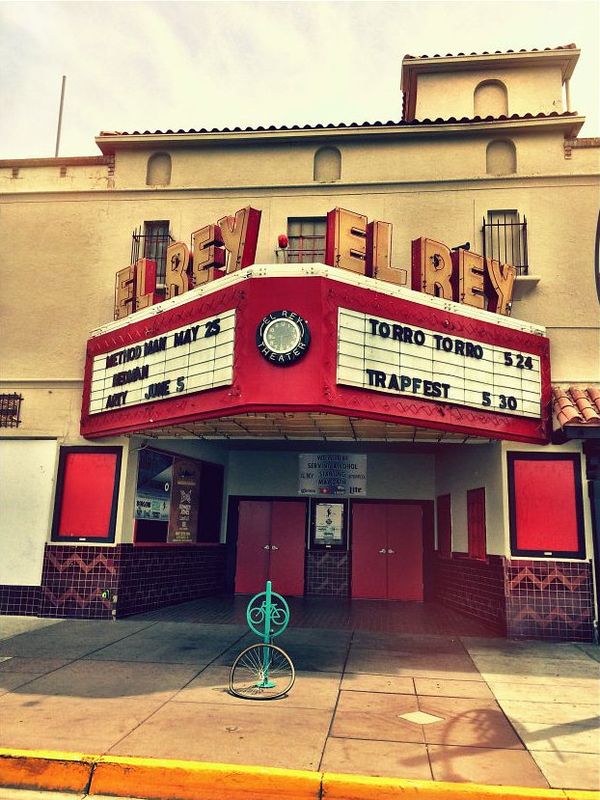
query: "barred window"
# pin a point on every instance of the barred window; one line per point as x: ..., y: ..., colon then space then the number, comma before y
x: 306, y: 239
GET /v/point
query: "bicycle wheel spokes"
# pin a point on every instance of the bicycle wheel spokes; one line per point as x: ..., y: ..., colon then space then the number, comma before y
x: 261, y: 672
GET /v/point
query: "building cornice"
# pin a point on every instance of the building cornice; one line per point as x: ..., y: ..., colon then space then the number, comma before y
x: 109, y: 143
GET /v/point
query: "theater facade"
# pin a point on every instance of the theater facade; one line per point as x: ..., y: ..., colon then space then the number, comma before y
x: 361, y: 361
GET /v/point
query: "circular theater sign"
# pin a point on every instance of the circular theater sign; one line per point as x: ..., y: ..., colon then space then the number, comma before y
x: 283, y: 337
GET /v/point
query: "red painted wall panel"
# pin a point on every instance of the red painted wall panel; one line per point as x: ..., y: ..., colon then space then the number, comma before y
x: 444, y: 525
x: 87, y: 495
x: 476, y: 523
x: 546, y: 505
x: 310, y: 384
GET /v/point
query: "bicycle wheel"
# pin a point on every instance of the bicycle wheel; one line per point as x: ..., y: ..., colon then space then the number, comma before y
x: 261, y: 672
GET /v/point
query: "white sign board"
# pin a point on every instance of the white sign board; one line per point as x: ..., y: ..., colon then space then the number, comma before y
x: 332, y: 474
x: 388, y: 356
x: 194, y: 358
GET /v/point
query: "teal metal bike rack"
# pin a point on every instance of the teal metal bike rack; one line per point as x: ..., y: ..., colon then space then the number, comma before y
x: 255, y: 669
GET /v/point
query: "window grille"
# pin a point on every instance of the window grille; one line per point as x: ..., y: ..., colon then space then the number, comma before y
x: 505, y: 239
x: 151, y: 242
x: 10, y: 410
x: 306, y: 237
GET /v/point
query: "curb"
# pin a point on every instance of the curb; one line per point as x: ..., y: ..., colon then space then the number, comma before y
x: 162, y: 779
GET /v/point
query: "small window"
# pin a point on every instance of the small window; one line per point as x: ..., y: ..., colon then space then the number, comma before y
x: 151, y: 242
x: 306, y: 237
x: 546, y: 509
x: 85, y: 506
x: 491, y: 99
x: 501, y: 158
x: 505, y: 239
x: 328, y: 164
x: 444, y: 526
x: 158, y: 172
x: 476, y: 523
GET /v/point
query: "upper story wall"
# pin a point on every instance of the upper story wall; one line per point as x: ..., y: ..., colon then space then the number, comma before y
x: 425, y: 185
x: 529, y: 90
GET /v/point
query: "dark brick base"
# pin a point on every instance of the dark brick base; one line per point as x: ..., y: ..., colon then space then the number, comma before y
x: 153, y: 577
x: 21, y: 600
x: 550, y: 600
x: 474, y: 587
x: 327, y: 573
x: 82, y: 581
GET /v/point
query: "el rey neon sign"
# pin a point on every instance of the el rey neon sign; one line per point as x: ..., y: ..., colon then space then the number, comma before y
x: 351, y: 243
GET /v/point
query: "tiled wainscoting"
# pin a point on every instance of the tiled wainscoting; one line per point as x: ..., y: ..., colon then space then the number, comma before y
x: 327, y: 573
x: 549, y: 600
x: 82, y: 581
x: 20, y: 600
x: 474, y: 587
x: 532, y: 599
x: 153, y: 577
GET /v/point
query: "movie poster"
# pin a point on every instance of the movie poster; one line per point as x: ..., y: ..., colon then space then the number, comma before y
x: 185, y: 494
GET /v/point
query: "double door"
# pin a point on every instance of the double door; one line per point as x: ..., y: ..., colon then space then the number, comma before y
x: 387, y: 551
x: 270, y: 546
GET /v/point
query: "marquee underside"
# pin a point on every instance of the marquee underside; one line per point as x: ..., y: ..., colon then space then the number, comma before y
x: 308, y: 426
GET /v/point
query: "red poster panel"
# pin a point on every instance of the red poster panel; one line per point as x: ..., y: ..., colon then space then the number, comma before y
x: 86, y: 496
x: 404, y: 558
x: 288, y: 540
x: 476, y: 523
x: 546, y: 514
x: 444, y: 525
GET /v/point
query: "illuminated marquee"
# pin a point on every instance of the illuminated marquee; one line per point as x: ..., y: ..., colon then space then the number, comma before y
x: 194, y: 358
x: 352, y: 243
x: 388, y: 356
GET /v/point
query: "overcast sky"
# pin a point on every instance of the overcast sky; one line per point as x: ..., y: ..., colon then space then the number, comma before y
x: 158, y: 65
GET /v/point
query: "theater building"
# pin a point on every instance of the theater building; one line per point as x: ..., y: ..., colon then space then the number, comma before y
x: 360, y: 360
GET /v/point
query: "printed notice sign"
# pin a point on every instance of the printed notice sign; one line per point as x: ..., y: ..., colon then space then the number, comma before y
x: 389, y: 356
x: 332, y: 474
x: 194, y: 358
x: 329, y: 523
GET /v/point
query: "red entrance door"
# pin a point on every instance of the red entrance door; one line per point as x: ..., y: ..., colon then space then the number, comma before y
x: 387, y: 551
x: 270, y: 546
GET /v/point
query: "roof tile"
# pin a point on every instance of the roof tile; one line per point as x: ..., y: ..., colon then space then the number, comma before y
x: 343, y: 125
x: 571, y: 46
x: 576, y: 406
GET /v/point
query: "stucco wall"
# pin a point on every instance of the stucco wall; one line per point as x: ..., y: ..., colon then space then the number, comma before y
x: 531, y: 89
x: 459, y: 469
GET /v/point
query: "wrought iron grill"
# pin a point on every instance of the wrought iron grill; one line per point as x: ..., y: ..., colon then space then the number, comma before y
x: 151, y: 242
x: 10, y: 410
x: 505, y: 239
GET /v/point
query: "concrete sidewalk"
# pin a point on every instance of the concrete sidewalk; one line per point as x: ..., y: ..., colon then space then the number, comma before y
x: 486, y: 711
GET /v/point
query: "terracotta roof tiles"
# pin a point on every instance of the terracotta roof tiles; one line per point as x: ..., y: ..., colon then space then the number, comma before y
x: 570, y: 46
x: 343, y: 125
x: 576, y: 406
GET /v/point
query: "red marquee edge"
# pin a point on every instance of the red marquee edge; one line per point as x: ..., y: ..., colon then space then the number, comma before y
x: 310, y: 383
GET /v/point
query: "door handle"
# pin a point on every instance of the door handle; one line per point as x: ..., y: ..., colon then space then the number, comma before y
x: 267, y: 547
x: 391, y: 552
x: 382, y: 551
x: 274, y: 547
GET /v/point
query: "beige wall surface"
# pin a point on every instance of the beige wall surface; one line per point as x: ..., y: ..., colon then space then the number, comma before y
x: 531, y: 90
x: 459, y: 469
